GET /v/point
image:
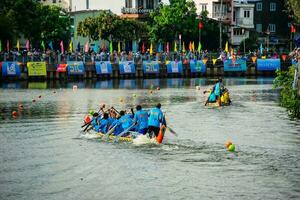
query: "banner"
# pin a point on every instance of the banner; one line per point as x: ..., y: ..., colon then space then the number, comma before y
x: 75, y: 68
x: 268, y: 64
x: 11, y: 69
x: 37, y: 69
x: 127, y: 67
x: 197, y: 66
x: 61, y: 68
x: 103, y: 67
x: 238, y: 65
x: 151, y: 67
x: 174, y: 67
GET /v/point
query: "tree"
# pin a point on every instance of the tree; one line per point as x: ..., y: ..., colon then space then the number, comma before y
x: 168, y: 21
x: 294, y: 7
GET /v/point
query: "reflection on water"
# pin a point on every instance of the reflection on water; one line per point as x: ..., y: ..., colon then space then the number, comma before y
x: 43, y: 155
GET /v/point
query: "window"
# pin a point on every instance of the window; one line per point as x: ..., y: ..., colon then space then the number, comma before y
x: 259, y: 28
x: 246, y: 13
x: 140, y: 4
x: 128, y: 3
x: 272, y: 6
x: 149, y: 4
x: 272, y: 28
x: 53, y: 1
x: 238, y: 32
x: 87, y: 4
x: 203, y: 7
x: 259, y: 6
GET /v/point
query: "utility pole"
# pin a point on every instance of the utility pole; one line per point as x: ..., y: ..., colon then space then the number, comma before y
x: 220, y: 23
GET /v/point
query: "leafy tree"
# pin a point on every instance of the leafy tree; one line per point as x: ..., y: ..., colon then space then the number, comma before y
x: 294, y: 7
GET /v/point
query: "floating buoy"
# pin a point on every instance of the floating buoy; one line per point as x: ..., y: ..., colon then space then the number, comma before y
x: 54, y: 92
x: 40, y: 96
x: 20, y: 106
x: 228, y: 143
x: 197, y: 87
x: 33, y: 100
x: 231, y: 148
x: 158, y: 88
x: 87, y: 119
x: 121, y: 100
x: 74, y: 87
x: 134, y: 95
x: 14, y: 113
x: 151, y: 92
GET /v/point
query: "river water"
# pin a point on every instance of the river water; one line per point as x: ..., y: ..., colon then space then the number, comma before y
x: 43, y: 155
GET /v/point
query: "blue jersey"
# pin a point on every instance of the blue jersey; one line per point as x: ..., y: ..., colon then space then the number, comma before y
x: 218, y: 89
x: 212, y: 97
x: 118, y: 128
x: 104, y: 125
x: 141, y: 117
x: 125, y: 121
x: 155, y: 117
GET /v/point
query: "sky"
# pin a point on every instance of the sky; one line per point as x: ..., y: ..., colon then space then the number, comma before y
x: 114, y: 5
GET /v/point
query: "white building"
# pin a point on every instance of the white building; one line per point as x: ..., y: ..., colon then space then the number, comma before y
x: 61, y: 3
x: 139, y: 8
x: 237, y: 14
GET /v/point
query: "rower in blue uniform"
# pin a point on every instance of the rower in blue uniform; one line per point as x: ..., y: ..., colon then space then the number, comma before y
x: 156, y: 118
x: 141, y: 118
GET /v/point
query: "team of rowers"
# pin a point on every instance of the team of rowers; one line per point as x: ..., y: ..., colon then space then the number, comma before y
x: 142, y: 121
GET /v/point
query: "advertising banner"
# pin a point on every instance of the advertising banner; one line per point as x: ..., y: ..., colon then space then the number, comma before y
x: 151, y: 67
x: 268, y: 64
x: 75, y: 68
x: 127, y: 67
x: 11, y: 69
x: 103, y: 67
x: 37, y: 69
x: 174, y: 67
x: 233, y: 65
x: 197, y: 66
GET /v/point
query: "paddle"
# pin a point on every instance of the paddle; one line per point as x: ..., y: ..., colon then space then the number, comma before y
x: 110, y: 131
x: 124, y: 132
x: 172, y: 131
x: 101, y: 108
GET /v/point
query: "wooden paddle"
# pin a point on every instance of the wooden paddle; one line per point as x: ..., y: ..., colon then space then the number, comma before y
x: 110, y: 131
x: 101, y: 109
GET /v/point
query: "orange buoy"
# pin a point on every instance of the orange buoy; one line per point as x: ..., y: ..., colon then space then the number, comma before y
x: 14, y: 113
x: 87, y: 119
x: 161, y: 134
x: 228, y: 143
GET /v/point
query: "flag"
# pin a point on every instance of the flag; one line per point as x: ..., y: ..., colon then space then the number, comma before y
x: 226, y: 47
x: 62, y: 50
x: 111, y: 47
x: 50, y: 45
x: 151, y: 49
x: 199, y: 47
x: 183, y: 47
x: 159, y: 49
x: 27, y: 45
x: 78, y: 47
x: 143, y: 48
x: 175, y: 47
x: 0, y: 45
x: 96, y: 48
x: 134, y: 46
x: 193, y: 46
x: 190, y: 46
x: 293, y: 28
x: 18, y: 45
x: 103, y: 46
x: 43, y: 45
x: 119, y: 47
x: 7, y: 45
x: 71, y: 46
x: 168, y: 47
x: 86, y: 47
x: 261, y: 49
x: 200, y: 25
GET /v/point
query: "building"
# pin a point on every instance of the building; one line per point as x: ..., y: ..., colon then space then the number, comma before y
x: 65, y: 4
x: 113, y: 5
x: 139, y: 8
x: 271, y: 22
x: 238, y: 15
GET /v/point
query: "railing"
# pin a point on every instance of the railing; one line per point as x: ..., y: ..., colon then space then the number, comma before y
x: 243, y: 22
x: 135, y: 11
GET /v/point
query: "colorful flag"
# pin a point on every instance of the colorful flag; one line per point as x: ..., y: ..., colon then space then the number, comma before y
x: 134, y: 46
x: 293, y: 28
x: 168, y: 47
x: 27, y: 45
x: 71, y: 46
x: 261, y: 49
x: 193, y: 46
x: 103, y: 47
x: 151, y: 49
x: 51, y: 45
x: 43, y: 45
x: 62, y: 50
x: 111, y: 47
x: 78, y: 47
x: 226, y: 47
x: 143, y: 48
x: 86, y: 47
x: 18, y: 45
x: 190, y: 46
x: 159, y: 49
x: 183, y: 47
x: 0, y: 45
x: 119, y: 47
x: 199, y: 47
x: 7, y: 45
x: 200, y: 25
x: 175, y: 47
x: 96, y: 48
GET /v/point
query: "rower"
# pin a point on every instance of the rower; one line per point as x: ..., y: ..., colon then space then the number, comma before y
x: 141, y: 118
x: 123, y: 123
x: 156, y: 118
x: 217, y: 91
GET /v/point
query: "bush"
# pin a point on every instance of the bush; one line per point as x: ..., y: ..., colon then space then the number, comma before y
x: 288, y: 96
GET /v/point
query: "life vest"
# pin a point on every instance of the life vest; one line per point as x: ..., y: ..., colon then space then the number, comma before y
x: 225, y: 98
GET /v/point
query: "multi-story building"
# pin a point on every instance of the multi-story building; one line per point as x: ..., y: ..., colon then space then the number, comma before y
x: 236, y: 14
x: 66, y: 4
x: 139, y: 8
